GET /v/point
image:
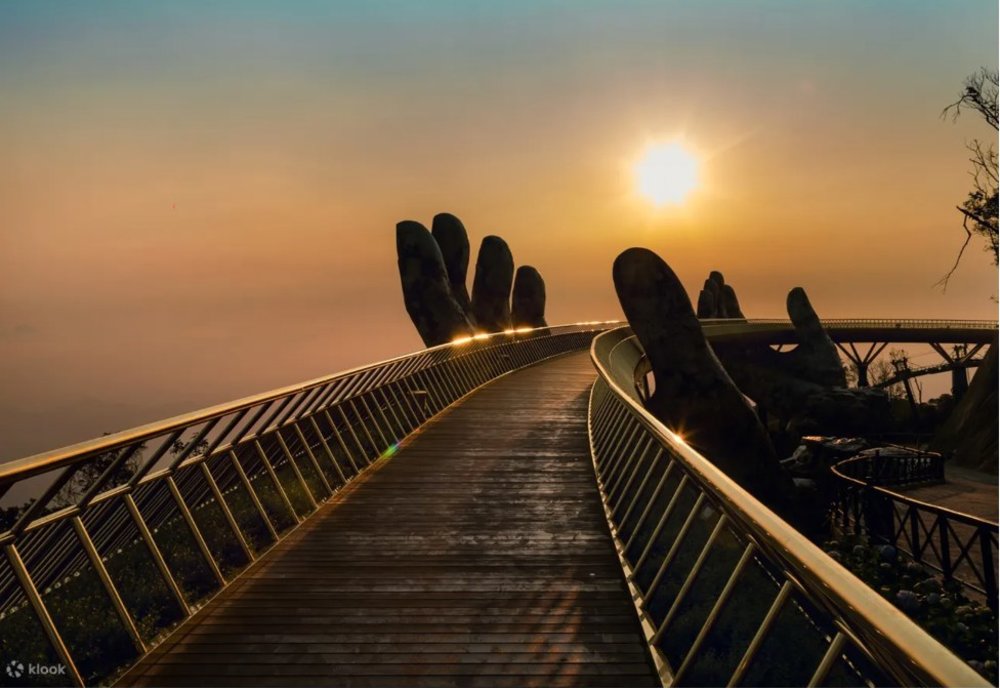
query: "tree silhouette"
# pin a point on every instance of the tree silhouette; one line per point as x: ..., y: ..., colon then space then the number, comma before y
x: 979, y: 210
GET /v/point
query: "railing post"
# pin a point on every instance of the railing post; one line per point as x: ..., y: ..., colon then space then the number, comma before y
x: 253, y: 495
x: 195, y: 531
x: 312, y: 459
x: 227, y: 513
x: 946, y: 567
x: 354, y: 435
x: 109, y: 585
x: 918, y: 552
x: 365, y: 416
x: 274, y: 479
x: 326, y: 449
x: 295, y: 469
x: 989, y: 572
x: 713, y: 615
x: 154, y: 550
x: 42, y: 613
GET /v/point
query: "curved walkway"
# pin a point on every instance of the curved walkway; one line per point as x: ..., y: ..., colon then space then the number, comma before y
x: 965, y: 490
x: 476, y: 556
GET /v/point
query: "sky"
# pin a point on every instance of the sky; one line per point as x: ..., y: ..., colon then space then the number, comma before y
x: 198, y: 199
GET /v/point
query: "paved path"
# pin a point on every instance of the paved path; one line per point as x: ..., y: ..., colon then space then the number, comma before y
x: 968, y: 491
x: 477, y: 556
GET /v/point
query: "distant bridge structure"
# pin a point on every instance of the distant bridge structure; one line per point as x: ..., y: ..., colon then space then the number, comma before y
x: 498, y: 511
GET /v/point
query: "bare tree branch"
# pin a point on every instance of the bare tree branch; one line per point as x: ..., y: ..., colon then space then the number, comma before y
x: 979, y: 210
x: 980, y: 95
x: 943, y: 282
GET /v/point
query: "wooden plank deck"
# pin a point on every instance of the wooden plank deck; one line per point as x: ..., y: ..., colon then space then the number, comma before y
x: 477, y: 556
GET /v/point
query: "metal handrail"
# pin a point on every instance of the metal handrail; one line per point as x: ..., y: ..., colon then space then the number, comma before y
x: 925, y: 532
x: 857, y: 323
x: 150, y: 523
x: 630, y: 448
x: 906, y: 467
x: 777, y: 331
x: 18, y: 469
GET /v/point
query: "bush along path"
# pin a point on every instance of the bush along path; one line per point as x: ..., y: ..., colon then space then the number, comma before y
x: 966, y: 627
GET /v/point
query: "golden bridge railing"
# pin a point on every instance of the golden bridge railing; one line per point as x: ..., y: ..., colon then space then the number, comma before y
x: 110, y: 544
x: 727, y: 592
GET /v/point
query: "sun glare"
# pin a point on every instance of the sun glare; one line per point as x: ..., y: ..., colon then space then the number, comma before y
x: 666, y: 173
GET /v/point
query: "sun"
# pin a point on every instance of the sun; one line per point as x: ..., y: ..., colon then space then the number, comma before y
x: 666, y: 173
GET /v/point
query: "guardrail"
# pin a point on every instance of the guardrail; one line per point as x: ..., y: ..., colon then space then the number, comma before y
x: 110, y: 544
x: 868, y: 323
x: 959, y: 546
x: 906, y: 468
x: 727, y: 592
x: 776, y: 331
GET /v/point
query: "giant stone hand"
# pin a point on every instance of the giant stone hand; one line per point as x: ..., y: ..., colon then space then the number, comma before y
x: 694, y: 396
x: 427, y: 292
x: 433, y: 267
x: 528, y: 301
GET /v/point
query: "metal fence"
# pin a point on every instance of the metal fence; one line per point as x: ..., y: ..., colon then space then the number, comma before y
x: 727, y: 592
x: 905, y: 467
x: 959, y: 546
x: 111, y: 543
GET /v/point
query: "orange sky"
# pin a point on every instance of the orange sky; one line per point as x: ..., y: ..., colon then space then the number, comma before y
x: 197, y: 202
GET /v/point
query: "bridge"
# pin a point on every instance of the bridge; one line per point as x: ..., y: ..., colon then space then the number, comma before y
x: 497, y: 511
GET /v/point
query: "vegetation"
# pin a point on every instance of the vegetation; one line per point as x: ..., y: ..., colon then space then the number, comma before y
x: 967, y: 627
x: 82, y: 610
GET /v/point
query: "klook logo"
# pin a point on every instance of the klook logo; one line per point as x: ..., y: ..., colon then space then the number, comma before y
x: 17, y: 669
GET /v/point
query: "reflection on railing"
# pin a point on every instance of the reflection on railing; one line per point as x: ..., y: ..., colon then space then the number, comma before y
x: 727, y: 592
x: 959, y: 546
x: 111, y: 543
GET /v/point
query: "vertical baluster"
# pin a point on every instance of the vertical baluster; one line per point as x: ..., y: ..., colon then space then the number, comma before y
x: 109, y: 585
x: 154, y: 550
x: 274, y: 479
x: 42, y: 613
x: 713, y: 615
x: 312, y: 458
x: 832, y: 653
x: 649, y: 504
x: 295, y: 469
x: 661, y: 523
x: 946, y: 568
x: 760, y: 635
x: 636, y: 462
x: 620, y: 451
x: 398, y: 430
x: 386, y: 441
x: 689, y: 581
x: 674, y: 548
x: 340, y: 441
x: 195, y: 530
x: 227, y: 513
x: 989, y: 572
x: 326, y: 449
x: 258, y: 505
x: 354, y: 436
x: 638, y: 492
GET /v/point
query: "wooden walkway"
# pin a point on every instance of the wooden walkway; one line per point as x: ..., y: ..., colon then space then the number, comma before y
x: 477, y: 556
